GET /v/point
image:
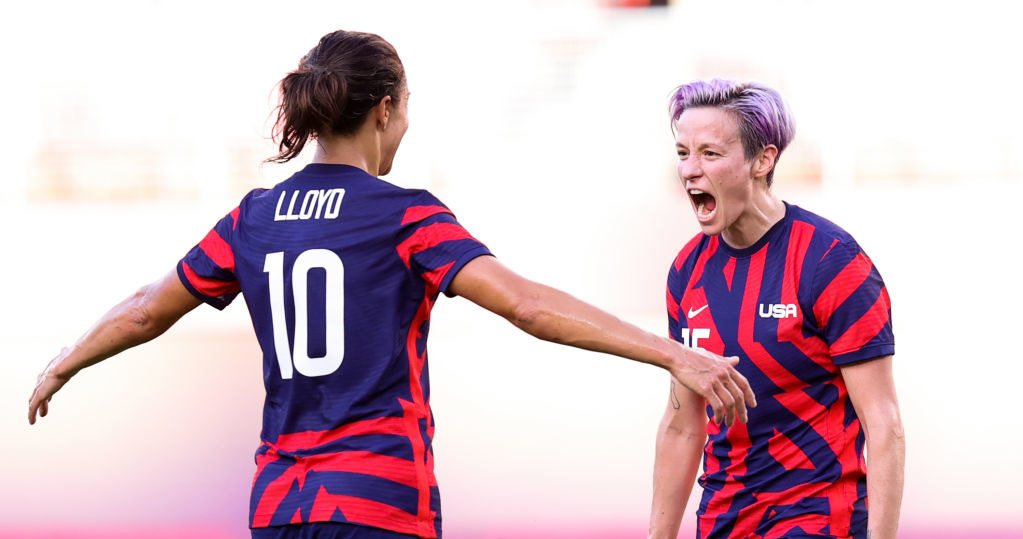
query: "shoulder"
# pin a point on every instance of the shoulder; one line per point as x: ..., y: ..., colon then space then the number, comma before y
x: 824, y: 230
x: 256, y: 194
x: 419, y: 204
x: 686, y: 257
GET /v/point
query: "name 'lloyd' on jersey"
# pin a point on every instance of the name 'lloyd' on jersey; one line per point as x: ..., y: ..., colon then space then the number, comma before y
x: 316, y: 204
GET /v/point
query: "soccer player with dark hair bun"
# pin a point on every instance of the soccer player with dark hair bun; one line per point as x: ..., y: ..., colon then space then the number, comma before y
x: 803, y: 307
x: 340, y: 270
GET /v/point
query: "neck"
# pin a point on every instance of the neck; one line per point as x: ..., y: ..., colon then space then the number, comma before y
x: 763, y: 212
x: 356, y: 150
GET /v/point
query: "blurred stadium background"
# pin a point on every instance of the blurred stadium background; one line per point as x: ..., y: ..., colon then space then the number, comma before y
x: 131, y: 127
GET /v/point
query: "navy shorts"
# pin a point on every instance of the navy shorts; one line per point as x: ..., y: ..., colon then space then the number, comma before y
x: 326, y: 530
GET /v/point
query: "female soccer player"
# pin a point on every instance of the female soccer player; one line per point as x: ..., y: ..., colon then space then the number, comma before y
x: 340, y: 270
x: 798, y: 301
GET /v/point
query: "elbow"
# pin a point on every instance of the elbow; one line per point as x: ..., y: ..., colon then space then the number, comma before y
x: 137, y: 318
x: 682, y: 435
x: 531, y: 315
x: 888, y: 434
x: 676, y: 430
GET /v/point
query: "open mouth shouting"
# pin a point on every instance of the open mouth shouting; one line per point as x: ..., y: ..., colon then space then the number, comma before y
x: 704, y: 204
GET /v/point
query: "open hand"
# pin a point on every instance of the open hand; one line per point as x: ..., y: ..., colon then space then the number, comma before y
x: 48, y: 383
x: 714, y: 377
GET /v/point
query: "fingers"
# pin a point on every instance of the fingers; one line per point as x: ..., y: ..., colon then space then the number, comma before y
x: 33, y: 406
x: 733, y: 391
x: 747, y: 391
x: 740, y: 403
x: 715, y: 403
x: 724, y: 393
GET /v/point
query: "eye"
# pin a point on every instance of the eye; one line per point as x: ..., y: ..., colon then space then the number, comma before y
x: 682, y: 154
x: 711, y: 153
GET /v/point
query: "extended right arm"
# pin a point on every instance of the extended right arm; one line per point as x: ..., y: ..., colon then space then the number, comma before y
x: 553, y: 315
x: 680, y: 441
x: 140, y: 318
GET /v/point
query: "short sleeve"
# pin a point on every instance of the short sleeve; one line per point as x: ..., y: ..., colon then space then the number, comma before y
x: 435, y: 246
x: 852, y: 306
x: 207, y: 271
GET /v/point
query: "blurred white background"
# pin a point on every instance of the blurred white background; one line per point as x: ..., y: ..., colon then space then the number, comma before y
x: 131, y: 127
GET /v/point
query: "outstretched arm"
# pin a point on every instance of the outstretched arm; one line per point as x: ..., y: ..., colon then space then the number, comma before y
x: 139, y: 318
x: 552, y: 315
x: 872, y: 391
x: 680, y: 441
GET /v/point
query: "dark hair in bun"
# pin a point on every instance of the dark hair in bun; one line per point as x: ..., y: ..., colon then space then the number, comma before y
x: 333, y: 89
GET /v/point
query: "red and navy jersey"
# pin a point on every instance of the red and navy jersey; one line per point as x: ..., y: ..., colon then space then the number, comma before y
x: 794, y: 307
x: 339, y: 271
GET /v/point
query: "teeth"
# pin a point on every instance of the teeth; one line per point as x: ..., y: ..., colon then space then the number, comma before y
x: 695, y: 192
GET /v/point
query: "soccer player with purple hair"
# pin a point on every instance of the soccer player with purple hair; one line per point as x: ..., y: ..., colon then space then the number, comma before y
x: 340, y: 270
x: 803, y: 307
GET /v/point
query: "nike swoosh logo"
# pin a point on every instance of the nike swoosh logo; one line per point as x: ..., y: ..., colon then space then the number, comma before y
x: 693, y: 313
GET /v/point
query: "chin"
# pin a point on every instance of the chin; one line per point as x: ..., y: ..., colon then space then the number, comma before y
x: 712, y: 227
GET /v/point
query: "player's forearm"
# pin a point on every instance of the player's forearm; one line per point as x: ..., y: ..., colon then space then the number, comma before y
x: 125, y: 325
x: 553, y: 315
x: 886, y: 456
x: 675, y: 467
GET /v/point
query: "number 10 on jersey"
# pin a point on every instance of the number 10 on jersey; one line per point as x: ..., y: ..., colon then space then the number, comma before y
x: 335, y: 295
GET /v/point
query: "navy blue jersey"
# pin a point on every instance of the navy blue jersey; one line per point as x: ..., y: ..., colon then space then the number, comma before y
x: 797, y: 305
x: 339, y: 271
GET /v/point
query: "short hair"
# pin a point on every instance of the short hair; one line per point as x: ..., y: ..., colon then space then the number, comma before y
x: 759, y: 111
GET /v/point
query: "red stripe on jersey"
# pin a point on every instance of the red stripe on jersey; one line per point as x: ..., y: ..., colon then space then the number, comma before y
x: 417, y: 213
x: 364, y: 462
x: 811, y: 412
x: 748, y: 318
x: 787, y: 453
x: 209, y: 287
x: 391, y: 468
x: 429, y: 236
x: 841, y: 287
x: 790, y: 329
x: 701, y: 262
x: 273, y: 495
x: 686, y: 251
x: 218, y: 250
x: 729, y: 272
x: 311, y: 439
x: 842, y: 495
x: 810, y: 523
x: 435, y: 277
x: 830, y: 247
x: 866, y: 328
x: 261, y: 462
x: 234, y: 215
x: 711, y: 465
x: 721, y: 502
x: 414, y: 411
x: 297, y: 519
x: 363, y: 511
x: 672, y: 304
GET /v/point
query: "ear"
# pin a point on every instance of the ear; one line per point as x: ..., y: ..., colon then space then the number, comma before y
x: 382, y: 112
x: 764, y: 162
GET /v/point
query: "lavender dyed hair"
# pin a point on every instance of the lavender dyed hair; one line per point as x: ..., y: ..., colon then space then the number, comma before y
x: 759, y: 111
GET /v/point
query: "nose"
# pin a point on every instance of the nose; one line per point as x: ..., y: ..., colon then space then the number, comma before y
x: 689, y: 169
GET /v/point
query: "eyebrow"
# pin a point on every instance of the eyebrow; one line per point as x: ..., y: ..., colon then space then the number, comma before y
x: 702, y: 145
